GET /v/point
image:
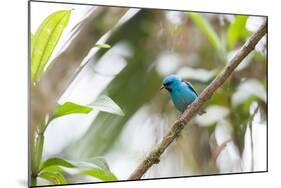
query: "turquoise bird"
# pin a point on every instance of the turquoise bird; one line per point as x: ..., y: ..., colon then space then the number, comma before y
x: 182, y: 93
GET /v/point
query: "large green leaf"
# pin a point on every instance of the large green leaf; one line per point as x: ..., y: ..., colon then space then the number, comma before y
x: 53, y: 177
x: 206, y: 28
x: 106, y: 104
x: 237, y: 30
x: 101, y: 174
x: 70, y: 108
x: 57, y: 162
x: 45, y: 40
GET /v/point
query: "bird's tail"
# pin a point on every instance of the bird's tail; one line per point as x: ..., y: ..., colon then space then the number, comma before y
x: 201, y: 112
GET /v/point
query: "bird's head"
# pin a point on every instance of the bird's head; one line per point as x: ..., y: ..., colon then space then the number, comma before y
x: 170, y: 82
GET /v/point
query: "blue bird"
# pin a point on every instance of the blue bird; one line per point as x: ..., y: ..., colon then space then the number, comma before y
x: 182, y: 93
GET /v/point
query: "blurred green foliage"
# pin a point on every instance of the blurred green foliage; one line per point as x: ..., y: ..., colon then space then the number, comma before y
x: 206, y: 28
x: 237, y: 31
x: 201, y: 56
x: 131, y: 82
x: 138, y: 84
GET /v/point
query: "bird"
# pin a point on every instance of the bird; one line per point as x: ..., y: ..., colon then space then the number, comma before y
x: 181, y: 92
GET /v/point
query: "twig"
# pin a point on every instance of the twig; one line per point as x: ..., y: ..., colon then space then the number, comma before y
x: 173, y: 133
x: 217, y: 151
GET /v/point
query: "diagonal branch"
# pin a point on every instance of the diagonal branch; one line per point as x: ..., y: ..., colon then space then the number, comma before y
x: 153, y: 157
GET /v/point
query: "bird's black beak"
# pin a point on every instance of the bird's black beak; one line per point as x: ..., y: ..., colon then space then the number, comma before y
x: 162, y: 87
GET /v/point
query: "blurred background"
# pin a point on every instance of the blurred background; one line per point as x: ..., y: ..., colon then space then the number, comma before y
x: 146, y: 45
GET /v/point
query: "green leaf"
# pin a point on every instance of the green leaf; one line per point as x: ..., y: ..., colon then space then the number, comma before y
x: 101, y: 174
x: 99, y: 162
x: 206, y: 28
x: 54, y: 168
x: 237, y: 30
x: 96, y: 167
x: 70, y: 108
x: 53, y: 177
x: 45, y: 40
x: 102, y: 46
x: 56, y: 162
x: 106, y: 104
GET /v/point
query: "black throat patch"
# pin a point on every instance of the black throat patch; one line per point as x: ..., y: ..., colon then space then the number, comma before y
x: 169, y: 89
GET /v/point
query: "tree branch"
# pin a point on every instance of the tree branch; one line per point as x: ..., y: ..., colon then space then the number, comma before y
x: 175, y: 130
x: 217, y: 151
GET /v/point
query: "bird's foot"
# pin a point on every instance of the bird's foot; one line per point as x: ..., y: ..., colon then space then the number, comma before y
x: 201, y: 112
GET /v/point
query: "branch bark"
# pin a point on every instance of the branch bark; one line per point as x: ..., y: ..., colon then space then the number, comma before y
x: 175, y: 130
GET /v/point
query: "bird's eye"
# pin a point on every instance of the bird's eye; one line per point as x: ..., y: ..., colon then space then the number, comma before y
x: 168, y: 83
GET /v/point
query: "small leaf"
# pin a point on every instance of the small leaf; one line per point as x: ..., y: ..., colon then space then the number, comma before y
x: 96, y: 167
x: 70, y: 108
x: 106, y: 104
x: 102, y: 46
x: 206, y: 28
x: 45, y: 40
x: 53, y: 177
x: 236, y: 30
x: 54, y: 168
x: 99, y: 162
x: 101, y: 174
x: 56, y: 162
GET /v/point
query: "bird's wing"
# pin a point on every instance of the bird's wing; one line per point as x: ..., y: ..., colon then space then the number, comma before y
x: 190, y: 87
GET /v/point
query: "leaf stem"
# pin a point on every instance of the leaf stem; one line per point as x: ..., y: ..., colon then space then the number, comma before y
x: 33, y: 180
